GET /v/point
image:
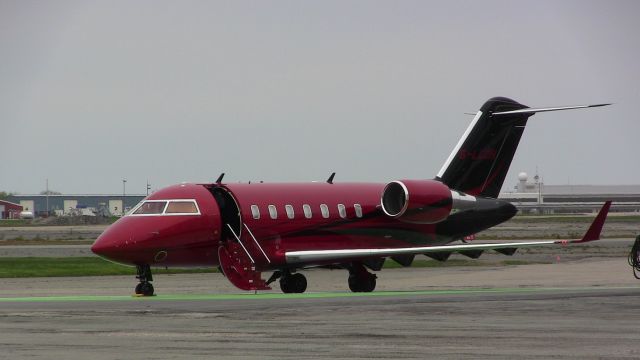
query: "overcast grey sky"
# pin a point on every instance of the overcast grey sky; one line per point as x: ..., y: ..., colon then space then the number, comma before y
x: 95, y: 91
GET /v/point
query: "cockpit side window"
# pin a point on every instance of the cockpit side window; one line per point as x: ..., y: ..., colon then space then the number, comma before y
x: 150, y: 208
x: 181, y: 207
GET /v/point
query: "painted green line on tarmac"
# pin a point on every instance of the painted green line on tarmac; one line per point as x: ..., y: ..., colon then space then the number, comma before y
x: 272, y: 296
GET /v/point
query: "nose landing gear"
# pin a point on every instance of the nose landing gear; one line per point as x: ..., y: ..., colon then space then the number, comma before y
x: 144, y: 288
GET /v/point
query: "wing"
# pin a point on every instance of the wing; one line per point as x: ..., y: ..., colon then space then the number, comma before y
x: 313, y: 256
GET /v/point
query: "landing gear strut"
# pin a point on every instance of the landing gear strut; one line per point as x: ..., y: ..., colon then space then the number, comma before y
x: 289, y: 283
x: 144, y: 288
x: 360, y: 280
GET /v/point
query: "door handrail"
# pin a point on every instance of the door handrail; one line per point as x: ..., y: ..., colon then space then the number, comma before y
x: 256, y: 241
x: 241, y: 244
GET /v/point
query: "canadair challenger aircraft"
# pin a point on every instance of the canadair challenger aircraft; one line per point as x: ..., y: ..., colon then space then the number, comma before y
x: 248, y: 229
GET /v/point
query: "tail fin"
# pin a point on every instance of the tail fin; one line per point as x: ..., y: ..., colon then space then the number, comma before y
x: 480, y: 161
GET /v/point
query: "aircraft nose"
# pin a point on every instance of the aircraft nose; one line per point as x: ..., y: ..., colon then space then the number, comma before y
x: 103, y: 246
x: 112, y: 242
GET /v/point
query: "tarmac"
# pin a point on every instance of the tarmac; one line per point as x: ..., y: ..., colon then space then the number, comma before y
x: 579, y: 308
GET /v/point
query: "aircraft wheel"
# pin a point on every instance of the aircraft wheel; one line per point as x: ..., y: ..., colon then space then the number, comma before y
x: 145, y: 289
x: 285, y: 285
x: 300, y: 283
x: 365, y: 283
x: 296, y: 283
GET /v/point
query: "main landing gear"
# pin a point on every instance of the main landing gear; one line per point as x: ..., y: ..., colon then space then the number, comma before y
x: 289, y: 283
x: 144, y: 288
x: 360, y: 280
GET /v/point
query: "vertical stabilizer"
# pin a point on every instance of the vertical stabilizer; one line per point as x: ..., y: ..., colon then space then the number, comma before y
x: 480, y: 161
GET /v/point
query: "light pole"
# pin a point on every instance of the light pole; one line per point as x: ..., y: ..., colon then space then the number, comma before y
x: 124, y: 188
x: 47, y: 197
x: 148, y: 187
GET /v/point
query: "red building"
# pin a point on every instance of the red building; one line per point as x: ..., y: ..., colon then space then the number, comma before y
x: 9, y: 210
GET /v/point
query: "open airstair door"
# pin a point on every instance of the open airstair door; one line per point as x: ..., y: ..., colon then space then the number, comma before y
x: 237, y: 262
x: 229, y: 212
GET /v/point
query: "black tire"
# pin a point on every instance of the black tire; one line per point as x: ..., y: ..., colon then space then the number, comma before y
x: 146, y: 289
x: 354, y: 284
x: 369, y: 284
x: 362, y: 283
x: 299, y: 283
x: 285, y: 284
x: 139, y: 289
x: 293, y: 284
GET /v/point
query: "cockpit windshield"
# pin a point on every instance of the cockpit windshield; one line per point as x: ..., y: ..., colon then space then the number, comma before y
x: 166, y: 207
x: 150, y: 207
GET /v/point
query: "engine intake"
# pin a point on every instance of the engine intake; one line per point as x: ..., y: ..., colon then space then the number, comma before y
x: 417, y: 201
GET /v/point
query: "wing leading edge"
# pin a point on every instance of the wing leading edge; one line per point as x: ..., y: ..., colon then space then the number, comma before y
x: 312, y: 256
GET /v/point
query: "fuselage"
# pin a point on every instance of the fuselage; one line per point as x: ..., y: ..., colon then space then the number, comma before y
x: 246, y: 229
x: 269, y: 219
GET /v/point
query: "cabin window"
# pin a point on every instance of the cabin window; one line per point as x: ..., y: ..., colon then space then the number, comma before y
x: 273, y: 212
x: 342, y: 211
x: 255, y: 211
x: 307, y: 211
x: 151, y: 207
x: 289, y: 210
x: 324, y: 210
x: 358, y: 209
x: 181, y: 207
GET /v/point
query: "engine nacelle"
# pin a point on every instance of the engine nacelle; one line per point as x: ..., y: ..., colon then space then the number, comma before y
x: 417, y: 201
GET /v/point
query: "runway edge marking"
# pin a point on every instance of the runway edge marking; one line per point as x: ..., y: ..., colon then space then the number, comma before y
x: 312, y: 295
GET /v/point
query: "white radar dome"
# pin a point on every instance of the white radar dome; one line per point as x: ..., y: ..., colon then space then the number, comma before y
x: 523, y: 176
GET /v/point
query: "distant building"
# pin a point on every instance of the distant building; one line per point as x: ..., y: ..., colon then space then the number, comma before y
x: 73, y: 204
x: 529, y: 197
x: 9, y: 210
x: 536, y: 197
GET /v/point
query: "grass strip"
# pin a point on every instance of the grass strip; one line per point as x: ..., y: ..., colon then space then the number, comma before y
x: 248, y: 296
x: 24, y: 267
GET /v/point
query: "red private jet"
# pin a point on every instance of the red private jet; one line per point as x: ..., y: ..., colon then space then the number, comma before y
x: 247, y: 229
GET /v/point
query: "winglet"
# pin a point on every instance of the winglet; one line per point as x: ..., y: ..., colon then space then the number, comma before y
x: 596, y: 226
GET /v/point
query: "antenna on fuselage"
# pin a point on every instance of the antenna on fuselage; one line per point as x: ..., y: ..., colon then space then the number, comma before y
x: 219, y: 180
x: 330, y: 179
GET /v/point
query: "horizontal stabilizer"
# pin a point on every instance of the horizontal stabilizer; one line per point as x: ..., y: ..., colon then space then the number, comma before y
x: 533, y: 111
